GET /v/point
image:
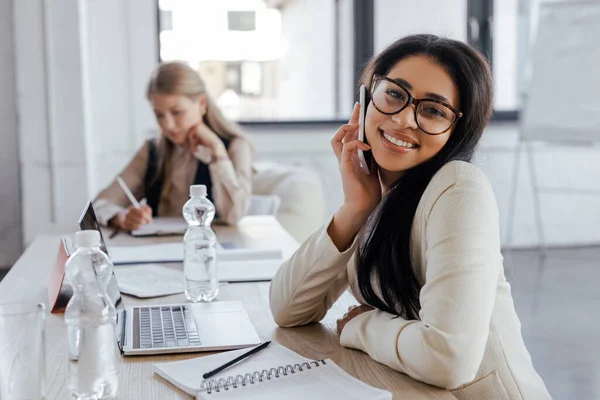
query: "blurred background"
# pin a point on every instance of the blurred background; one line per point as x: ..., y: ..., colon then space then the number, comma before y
x: 73, y: 112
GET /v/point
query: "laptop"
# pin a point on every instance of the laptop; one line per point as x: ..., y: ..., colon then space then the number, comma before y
x: 176, y: 328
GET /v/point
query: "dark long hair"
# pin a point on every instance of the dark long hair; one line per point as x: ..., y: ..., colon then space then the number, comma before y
x: 384, y: 252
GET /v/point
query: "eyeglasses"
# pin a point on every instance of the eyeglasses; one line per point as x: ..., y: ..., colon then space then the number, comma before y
x: 433, y: 117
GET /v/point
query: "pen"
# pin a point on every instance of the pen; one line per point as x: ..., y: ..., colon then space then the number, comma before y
x: 236, y: 360
x: 128, y: 193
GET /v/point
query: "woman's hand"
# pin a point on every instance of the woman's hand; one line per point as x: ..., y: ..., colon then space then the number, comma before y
x: 362, y: 192
x: 132, y: 218
x: 352, y: 312
x: 201, y: 135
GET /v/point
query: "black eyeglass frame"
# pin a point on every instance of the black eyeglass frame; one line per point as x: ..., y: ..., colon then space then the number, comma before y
x: 412, y: 100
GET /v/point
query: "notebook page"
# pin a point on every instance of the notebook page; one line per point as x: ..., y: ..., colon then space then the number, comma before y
x: 187, y: 374
x: 149, y: 280
x: 327, y: 382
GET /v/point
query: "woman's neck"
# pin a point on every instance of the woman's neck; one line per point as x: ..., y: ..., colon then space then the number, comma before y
x: 388, y: 178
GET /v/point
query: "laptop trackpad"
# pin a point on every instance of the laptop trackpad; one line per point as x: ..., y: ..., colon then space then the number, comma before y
x: 224, y: 324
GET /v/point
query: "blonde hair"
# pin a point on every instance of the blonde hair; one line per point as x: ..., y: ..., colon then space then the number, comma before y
x: 180, y: 79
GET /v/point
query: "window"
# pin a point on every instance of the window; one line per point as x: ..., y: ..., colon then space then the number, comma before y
x: 515, y: 30
x: 277, y: 60
x: 298, y: 60
x: 491, y: 26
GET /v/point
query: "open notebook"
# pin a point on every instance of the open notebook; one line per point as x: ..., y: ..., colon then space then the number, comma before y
x: 274, y: 373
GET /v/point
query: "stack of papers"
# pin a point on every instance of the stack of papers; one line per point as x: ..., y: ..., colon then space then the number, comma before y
x: 234, y: 265
x: 173, y: 252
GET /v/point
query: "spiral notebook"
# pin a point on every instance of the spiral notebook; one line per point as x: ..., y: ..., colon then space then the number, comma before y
x: 274, y: 373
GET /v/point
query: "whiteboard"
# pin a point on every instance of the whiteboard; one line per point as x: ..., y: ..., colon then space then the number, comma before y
x: 563, y: 98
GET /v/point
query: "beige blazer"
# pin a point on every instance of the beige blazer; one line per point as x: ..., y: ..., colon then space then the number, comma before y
x: 468, y: 338
x: 231, y: 183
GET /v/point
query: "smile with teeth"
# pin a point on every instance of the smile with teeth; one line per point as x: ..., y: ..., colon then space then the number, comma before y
x: 399, y: 142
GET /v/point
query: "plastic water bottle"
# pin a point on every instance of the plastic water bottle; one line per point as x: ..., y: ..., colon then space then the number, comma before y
x: 93, y: 354
x: 200, y: 247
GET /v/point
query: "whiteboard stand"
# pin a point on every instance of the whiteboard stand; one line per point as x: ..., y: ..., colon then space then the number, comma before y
x: 526, y: 145
x: 535, y: 190
x: 562, y: 102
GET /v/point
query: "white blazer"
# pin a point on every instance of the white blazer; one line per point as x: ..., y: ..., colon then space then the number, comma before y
x: 468, y: 339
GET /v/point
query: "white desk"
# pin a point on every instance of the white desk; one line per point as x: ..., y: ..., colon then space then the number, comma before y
x: 26, y: 281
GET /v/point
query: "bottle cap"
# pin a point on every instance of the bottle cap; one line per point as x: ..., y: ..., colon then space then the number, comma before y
x: 87, y: 238
x: 198, y: 190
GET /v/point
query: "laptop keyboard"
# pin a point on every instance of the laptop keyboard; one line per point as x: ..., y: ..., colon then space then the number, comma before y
x: 167, y: 326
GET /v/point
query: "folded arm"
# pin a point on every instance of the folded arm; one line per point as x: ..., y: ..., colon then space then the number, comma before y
x: 232, y: 182
x: 445, y: 347
x: 308, y: 284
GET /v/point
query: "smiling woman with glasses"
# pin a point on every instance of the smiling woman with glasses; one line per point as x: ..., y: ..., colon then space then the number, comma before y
x: 417, y: 240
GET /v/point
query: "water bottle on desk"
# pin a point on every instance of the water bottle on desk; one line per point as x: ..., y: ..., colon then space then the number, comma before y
x: 200, y: 247
x: 90, y: 318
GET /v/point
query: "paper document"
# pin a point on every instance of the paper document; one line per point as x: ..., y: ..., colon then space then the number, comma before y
x: 149, y: 280
x: 152, y: 253
x: 248, y: 271
x: 162, y: 226
x: 173, y: 252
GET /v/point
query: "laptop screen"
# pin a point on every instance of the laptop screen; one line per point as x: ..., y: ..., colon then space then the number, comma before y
x: 88, y: 221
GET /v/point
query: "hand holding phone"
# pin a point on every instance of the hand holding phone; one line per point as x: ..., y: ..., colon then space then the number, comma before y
x: 364, y: 157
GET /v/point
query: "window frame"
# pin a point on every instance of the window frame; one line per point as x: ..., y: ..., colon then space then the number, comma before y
x: 478, y: 11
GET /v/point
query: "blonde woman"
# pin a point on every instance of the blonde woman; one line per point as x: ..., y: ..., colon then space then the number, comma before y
x: 197, y: 145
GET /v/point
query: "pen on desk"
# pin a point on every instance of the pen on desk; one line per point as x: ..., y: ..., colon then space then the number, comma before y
x: 236, y: 360
x: 128, y: 193
x: 114, y: 233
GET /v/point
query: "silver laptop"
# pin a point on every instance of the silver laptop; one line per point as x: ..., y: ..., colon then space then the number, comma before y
x: 176, y: 328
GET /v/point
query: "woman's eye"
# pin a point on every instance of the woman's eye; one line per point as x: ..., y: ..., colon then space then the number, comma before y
x: 395, y: 94
x: 175, y: 113
x: 436, y: 112
x: 159, y: 116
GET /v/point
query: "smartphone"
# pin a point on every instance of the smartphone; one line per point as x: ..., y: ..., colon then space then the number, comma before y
x: 364, y: 157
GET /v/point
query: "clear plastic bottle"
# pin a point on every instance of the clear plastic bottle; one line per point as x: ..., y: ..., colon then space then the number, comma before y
x: 93, y: 353
x: 200, y: 248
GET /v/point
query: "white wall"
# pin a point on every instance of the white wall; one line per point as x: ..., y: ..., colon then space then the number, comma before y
x: 50, y: 104
x: 395, y: 19
x: 10, y: 212
x: 82, y: 66
x: 122, y: 52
